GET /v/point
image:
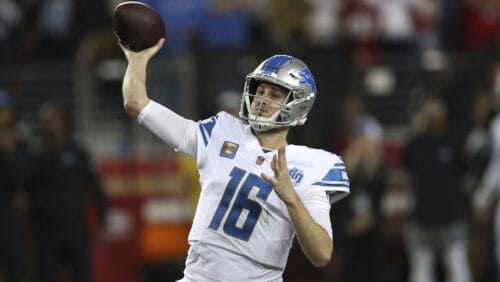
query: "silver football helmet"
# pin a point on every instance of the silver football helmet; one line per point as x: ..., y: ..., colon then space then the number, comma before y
x: 289, y: 73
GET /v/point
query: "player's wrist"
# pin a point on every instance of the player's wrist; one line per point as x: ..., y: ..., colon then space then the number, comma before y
x: 292, y: 200
x: 139, y: 61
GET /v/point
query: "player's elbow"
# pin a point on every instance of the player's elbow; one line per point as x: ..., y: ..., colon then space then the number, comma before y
x: 134, y: 106
x: 322, y: 260
x: 134, y: 96
x: 323, y: 255
x: 131, y: 108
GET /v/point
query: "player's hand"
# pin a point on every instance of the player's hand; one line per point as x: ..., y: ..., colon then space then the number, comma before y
x: 281, y: 182
x: 145, y: 54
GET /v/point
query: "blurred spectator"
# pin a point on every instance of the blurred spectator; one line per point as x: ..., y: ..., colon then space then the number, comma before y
x: 450, y: 24
x: 360, y: 30
x: 14, y: 163
x: 395, y: 208
x: 182, y: 21
x: 11, y: 20
x: 365, y: 166
x: 287, y: 23
x: 426, y: 17
x: 433, y: 161
x: 359, y: 219
x: 477, y: 155
x: 62, y: 175
x: 99, y: 42
x: 53, y: 28
x: 490, y: 181
x: 481, y: 24
x: 477, y: 147
x: 225, y: 23
x: 352, y: 110
x: 396, y: 24
x: 323, y: 22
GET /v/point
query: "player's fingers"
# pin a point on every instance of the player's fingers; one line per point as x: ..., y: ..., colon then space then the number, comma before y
x: 124, y: 49
x: 282, y: 157
x: 269, y: 179
x: 155, y: 48
x: 159, y: 44
x: 271, y: 164
x: 120, y: 44
x: 274, y: 165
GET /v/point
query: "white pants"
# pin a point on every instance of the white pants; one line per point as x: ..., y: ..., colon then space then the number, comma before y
x: 423, y: 244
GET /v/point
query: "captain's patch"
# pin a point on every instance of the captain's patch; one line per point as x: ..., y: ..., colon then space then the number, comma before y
x: 229, y: 149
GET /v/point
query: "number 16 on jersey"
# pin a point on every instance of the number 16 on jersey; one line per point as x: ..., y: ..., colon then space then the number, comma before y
x: 241, y: 202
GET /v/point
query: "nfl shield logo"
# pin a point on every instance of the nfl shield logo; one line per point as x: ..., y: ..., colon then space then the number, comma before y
x: 260, y: 160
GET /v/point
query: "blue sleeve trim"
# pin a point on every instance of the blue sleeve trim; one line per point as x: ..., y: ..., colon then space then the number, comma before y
x: 319, y: 183
x: 205, y: 141
x: 206, y: 128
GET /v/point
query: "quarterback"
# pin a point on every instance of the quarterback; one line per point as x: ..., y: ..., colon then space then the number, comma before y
x: 258, y: 191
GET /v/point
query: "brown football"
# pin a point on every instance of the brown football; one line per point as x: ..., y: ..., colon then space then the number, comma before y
x: 137, y: 25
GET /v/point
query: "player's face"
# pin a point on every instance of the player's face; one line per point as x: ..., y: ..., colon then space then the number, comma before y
x: 268, y: 99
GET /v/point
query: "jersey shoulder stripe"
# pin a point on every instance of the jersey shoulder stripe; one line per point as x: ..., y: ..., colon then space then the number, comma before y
x: 206, y: 127
x: 218, y: 125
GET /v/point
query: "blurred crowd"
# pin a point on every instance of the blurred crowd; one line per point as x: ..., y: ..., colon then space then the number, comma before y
x: 421, y: 211
x: 48, y: 183
x: 57, y: 29
x: 430, y: 217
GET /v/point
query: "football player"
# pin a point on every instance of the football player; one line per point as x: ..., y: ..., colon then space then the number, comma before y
x: 258, y: 191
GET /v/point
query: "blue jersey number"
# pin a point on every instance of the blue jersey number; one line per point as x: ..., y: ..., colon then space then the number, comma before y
x: 241, y: 202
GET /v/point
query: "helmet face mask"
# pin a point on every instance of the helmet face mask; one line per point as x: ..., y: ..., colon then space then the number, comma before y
x: 290, y: 74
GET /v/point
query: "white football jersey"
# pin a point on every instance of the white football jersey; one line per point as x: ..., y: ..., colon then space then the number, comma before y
x: 242, y: 230
x: 238, y: 210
